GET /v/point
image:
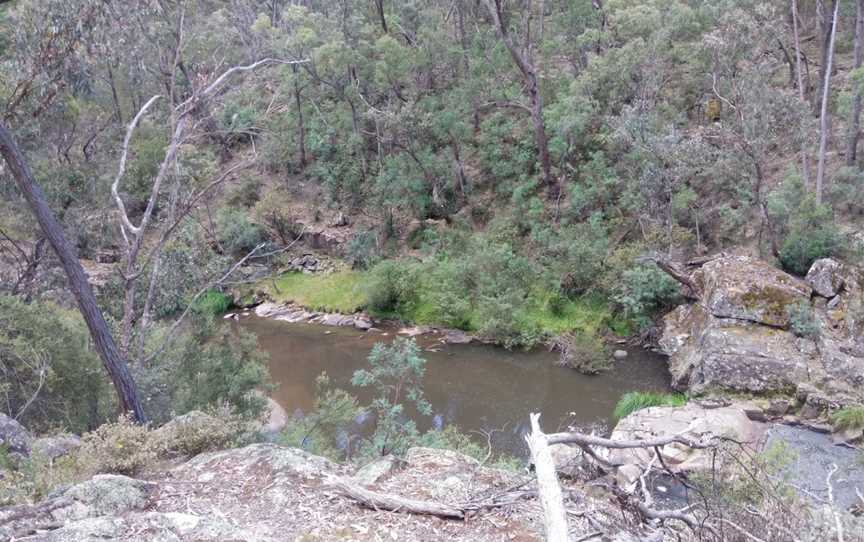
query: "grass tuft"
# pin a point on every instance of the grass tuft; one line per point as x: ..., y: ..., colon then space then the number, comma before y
x: 848, y: 418
x: 212, y: 303
x: 637, y: 400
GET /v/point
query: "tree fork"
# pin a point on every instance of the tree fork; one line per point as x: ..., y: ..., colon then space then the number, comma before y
x: 115, y: 364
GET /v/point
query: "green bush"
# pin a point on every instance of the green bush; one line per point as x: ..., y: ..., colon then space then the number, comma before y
x: 362, y: 250
x: 851, y: 417
x: 812, y: 235
x: 212, y: 303
x: 45, y: 353
x: 391, y: 287
x: 198, y: 432
x: 644, y: 291
x: 318, y: 431
x: 118, y: 447
x: 237, y: 234
x: 637, y: 400
x: 584, y: 352
x: 802, y: 321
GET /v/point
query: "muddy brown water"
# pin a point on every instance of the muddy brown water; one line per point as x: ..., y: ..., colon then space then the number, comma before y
x: 475, y: 386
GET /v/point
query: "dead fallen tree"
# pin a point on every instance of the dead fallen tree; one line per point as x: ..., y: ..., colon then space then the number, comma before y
x: 394, y: 503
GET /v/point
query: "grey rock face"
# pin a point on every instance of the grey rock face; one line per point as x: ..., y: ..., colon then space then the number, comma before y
x: 825, y: 277
x: 744, y: 288
x: 14, y: 437
x: 56, y: 446
x: 738, y: 338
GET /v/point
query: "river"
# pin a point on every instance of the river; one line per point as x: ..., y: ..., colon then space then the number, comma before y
x: 475, y: 386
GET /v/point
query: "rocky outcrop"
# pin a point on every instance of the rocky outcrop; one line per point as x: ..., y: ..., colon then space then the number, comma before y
x: 692, y: 421
x: 740, y: 334
x: 743, y: 288
x: 14, y: 437
x: 56, y: 446
x: 266, y: 492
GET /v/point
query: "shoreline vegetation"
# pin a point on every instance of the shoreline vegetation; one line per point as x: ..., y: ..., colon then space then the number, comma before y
x: 349, y: 291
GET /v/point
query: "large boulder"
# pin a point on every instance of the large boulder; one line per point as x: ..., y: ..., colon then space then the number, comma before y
x: 826, y: 277
x: 748, y: 289
x: 14, y: 437
x: 707, y: 352
x: 739, y: 335
x: 691, y: 421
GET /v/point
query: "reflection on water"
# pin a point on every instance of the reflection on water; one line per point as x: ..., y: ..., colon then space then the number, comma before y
x: 475, y: 386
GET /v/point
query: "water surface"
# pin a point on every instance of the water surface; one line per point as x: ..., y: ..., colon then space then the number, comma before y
x: 475, y: 386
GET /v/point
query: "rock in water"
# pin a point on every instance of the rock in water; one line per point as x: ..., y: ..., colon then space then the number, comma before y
x: 620, y: 354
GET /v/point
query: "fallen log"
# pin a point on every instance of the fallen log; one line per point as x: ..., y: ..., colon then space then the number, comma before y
x: 394, y: 503
x: 554, y: 514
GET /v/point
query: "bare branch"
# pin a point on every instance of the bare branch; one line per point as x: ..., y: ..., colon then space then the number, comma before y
x: 124, y: 217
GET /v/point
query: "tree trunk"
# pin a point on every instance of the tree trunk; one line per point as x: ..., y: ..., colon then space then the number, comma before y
x: 823, y: 122
x: 805, y: 167
x: 115, y: 365
x: 855, y: 123
x: 301, y: 129
x: 379, y: 4
x: 825, y: 15
x: 529, y: 74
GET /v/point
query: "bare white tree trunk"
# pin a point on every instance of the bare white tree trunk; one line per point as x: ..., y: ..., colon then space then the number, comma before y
x: 805, y: 167
x: 823, y: 122
x: 554, y: 514
x: 855, y: 123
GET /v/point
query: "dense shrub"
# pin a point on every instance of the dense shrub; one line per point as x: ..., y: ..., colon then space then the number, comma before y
x: 212, y: 303
x: 391, y: 287
x: 50, y: 375
x: 811, y: 235
x: 586, y: 353
x: 118, y: 447
x: 237, y: 234
x: 362, y: 250
x: 644, y: 291
x: 198, y: 432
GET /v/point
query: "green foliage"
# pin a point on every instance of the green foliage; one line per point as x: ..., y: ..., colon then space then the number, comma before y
x: 218, y: 366
x: 644, y: 291
x: 118, y: 447
x: 802, y: 321
x: 851, y: 417
x: 395, y: 373
x: 319, y: 431
x: 45, y: 355
x: 811, y: 235
x: 585, y: 352
x: 273, y: 213
x: 237, y: 234
x: 637, y: 400
x: 218, y: 429
x: 339, y: 291
x: 212, y: 303
x: 362, y: 250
